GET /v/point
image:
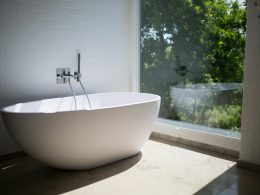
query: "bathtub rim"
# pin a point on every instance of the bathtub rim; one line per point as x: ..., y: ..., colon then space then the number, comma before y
x: 156, y: 98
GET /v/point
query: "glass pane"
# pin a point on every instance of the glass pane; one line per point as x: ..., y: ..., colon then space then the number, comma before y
x: 192, y: 55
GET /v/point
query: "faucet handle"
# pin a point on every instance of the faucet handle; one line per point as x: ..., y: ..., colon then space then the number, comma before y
x: 58, y: 75
x: 77, y: 76
x: 61, y: 74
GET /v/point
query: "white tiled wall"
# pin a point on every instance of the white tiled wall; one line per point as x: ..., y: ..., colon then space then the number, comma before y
x: 37, y: 36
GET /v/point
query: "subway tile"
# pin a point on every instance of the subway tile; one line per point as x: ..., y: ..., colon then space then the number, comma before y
x: 40, y: 36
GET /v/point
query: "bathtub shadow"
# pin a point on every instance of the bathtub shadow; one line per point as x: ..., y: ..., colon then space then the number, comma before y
x: 27, y: 176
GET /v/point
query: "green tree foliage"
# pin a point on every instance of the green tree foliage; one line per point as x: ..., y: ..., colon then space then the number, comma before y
x: 190, y: 41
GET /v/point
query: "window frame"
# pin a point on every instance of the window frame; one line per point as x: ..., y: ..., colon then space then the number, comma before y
x: 217, y: 140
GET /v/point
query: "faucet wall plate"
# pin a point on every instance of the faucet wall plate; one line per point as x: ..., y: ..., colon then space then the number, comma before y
x: 59, y: 78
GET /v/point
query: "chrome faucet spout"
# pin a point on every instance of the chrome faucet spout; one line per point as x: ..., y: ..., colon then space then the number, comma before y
x: 73, y: 93
x: 85, y: 93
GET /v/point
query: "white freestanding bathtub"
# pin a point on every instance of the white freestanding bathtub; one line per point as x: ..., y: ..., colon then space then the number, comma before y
x: 53, y: 132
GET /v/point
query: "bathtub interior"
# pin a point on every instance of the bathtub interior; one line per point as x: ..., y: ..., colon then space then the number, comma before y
x: 98, y: 101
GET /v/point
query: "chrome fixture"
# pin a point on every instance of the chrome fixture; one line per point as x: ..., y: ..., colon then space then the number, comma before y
x: 60, y: 75
x: 63, y: 76
x: 74, y: 96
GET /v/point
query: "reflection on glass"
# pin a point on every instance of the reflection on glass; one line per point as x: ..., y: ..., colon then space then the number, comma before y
x: 192, y: 55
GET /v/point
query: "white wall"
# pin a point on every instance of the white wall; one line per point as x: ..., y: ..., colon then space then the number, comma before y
x: 250, y: 136
x: 37, y: 36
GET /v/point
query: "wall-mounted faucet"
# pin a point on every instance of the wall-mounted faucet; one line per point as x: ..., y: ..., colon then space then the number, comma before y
x: 63, y: 76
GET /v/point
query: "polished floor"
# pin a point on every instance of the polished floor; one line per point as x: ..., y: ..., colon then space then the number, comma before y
x: 160, y: 168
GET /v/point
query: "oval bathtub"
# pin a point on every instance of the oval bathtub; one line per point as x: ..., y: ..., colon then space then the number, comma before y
x: 53, y: 132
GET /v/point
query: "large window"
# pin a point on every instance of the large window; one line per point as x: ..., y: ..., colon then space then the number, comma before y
x: 192, y: 55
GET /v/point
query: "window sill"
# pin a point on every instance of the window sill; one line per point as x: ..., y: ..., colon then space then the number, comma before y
x: 227, y: 140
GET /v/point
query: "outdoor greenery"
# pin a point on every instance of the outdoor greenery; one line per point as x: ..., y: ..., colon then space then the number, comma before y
x: 186, y: 42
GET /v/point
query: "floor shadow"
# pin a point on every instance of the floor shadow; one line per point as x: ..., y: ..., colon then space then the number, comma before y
x: 234, y: 181
x: 27, y: 176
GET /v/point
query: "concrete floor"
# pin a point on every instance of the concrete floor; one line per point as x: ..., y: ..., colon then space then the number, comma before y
x: 160, y: 168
